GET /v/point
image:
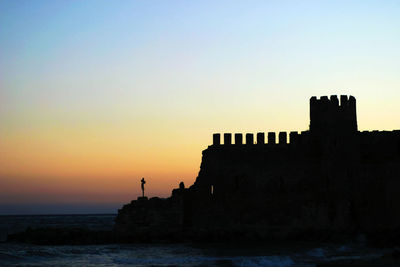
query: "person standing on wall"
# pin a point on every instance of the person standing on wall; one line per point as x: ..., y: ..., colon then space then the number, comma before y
x: 142, y: 185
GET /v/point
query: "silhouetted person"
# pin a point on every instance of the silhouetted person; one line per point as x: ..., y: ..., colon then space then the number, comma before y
x: 143, y: 182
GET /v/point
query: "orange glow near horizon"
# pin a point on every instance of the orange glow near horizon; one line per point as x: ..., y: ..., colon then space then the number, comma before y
x: 96, y: 166
x: 103, y: 163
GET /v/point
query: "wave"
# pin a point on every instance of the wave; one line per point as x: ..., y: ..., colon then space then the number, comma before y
x: 172, y: 255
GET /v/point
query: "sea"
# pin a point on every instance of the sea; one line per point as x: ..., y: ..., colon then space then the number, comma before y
x: 222, y: 254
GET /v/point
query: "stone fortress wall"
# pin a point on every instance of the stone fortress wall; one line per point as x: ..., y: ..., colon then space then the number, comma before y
x: 328, y: 170
x: 329, y: 179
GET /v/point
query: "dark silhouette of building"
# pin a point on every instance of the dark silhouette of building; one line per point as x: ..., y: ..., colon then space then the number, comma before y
x: 329, y: 179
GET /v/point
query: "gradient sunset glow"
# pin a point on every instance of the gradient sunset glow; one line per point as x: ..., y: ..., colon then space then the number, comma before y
x: 95, y: 95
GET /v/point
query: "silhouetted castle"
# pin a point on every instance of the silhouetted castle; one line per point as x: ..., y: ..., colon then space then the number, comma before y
x: 329, y: 179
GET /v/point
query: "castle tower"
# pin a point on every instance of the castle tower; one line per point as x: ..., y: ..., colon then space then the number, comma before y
x: 328, y: 117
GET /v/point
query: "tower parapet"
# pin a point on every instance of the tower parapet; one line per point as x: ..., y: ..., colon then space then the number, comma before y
x: 328, y: 117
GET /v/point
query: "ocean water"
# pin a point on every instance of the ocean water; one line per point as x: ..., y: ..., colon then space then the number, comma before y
x: 15, y: 223
x: 160, y: 254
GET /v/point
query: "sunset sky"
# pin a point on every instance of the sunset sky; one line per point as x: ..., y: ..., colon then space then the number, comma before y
x: 96, y: 94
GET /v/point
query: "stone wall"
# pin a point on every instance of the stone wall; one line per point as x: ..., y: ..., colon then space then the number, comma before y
x: 330, y: 179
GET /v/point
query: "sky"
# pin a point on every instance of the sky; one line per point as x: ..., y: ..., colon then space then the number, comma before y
x: 95, y: 95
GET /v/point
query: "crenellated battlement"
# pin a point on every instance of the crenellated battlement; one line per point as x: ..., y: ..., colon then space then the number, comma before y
x: 284, y: 138
x: 333, y: 100
x: 328, y: 116
x: 333, y: 127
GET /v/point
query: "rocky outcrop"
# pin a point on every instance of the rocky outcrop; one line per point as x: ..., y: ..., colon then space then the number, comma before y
x: 154, y: 219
